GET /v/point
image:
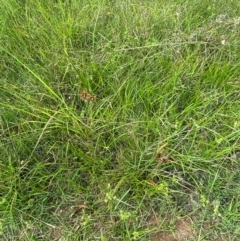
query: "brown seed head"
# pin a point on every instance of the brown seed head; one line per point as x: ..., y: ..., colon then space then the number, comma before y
x: 84, y: 95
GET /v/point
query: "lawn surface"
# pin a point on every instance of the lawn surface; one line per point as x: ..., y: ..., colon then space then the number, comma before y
x: 119, y: 120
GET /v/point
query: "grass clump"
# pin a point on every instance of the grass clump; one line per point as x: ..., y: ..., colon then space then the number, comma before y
x: 119, y: 120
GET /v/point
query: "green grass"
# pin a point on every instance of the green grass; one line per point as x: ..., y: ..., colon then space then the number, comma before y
x: 159, y: 144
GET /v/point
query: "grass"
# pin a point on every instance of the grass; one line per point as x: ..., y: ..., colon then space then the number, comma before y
x: 156, y: 149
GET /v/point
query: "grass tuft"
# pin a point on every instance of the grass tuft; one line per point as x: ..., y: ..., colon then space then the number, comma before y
x: 119, y: 120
